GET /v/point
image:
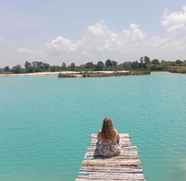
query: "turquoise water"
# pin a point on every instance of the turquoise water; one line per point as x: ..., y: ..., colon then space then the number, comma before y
x: 45, y: 123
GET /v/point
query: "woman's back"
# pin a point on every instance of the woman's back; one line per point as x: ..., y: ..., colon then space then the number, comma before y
x: 114, y: 138
x: 108, y: 140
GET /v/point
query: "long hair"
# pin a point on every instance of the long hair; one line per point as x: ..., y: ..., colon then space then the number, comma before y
x: 107, y: 131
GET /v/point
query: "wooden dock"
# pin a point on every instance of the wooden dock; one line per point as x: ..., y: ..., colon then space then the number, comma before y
x: 125, y: 167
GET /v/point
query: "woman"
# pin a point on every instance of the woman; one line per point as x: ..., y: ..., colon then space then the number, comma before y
x: 108, y: 140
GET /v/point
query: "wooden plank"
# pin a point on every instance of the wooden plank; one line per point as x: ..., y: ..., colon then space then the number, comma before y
x: 117, y: 176
x: 112, y: 169
x: 127, y: 148
x: 85, y: 179
x: 125, y: 154
x: 109, y: 179
x: 124, y: 167
x: 100, y: 163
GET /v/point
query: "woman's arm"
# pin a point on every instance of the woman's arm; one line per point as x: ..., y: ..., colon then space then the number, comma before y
x: 117, y: 136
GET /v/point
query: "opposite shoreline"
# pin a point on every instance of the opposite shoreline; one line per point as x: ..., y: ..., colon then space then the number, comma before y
x: 64, y: 74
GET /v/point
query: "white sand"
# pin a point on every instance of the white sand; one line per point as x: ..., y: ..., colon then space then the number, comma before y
x: 38, y: 74
x: 56, y: 73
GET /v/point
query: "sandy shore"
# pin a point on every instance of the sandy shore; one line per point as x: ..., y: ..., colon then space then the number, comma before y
x: 56, y: 73
x: 38, y: 74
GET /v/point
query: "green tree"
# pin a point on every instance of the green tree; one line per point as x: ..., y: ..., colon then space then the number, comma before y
x: 72, y: 66
x: 114, y: 63
x: 89, y: 65
x: 6, y: 69
x: 28, y: 67
x: 17, y: 69
x: 179, y: 62
x: 146, y: 60
x: 155, y: 62
x: 63, y: 66
x: 27, y: 64
x: 108, y: 63
x: 100, y: 65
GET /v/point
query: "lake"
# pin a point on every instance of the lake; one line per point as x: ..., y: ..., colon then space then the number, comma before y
x: 45, y: 123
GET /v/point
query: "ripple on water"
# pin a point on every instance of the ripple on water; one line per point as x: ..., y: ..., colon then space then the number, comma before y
x: 45, y: 123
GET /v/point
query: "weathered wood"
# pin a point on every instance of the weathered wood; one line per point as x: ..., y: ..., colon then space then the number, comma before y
x: 105, y: 162
x: 112, y: 169
x: 117, y: 176
x: 109, y: 179
x: 124, y: 167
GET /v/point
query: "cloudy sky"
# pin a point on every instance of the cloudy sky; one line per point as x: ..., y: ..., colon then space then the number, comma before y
x: 83, y: 30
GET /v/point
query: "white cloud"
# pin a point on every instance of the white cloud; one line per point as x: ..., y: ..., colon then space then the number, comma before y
x: 60, y: 43
x: 99, y: 42
x: 174, y: 20
x: 136, y: 33
x: 99, y: 29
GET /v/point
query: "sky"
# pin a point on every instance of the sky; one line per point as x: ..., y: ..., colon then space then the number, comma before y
x: 79, y: 31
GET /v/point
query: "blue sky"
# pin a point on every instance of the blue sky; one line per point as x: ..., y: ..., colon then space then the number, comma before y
x: 59, y: 31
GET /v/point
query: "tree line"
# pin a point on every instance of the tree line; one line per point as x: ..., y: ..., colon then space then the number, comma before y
x: 144, y: 63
